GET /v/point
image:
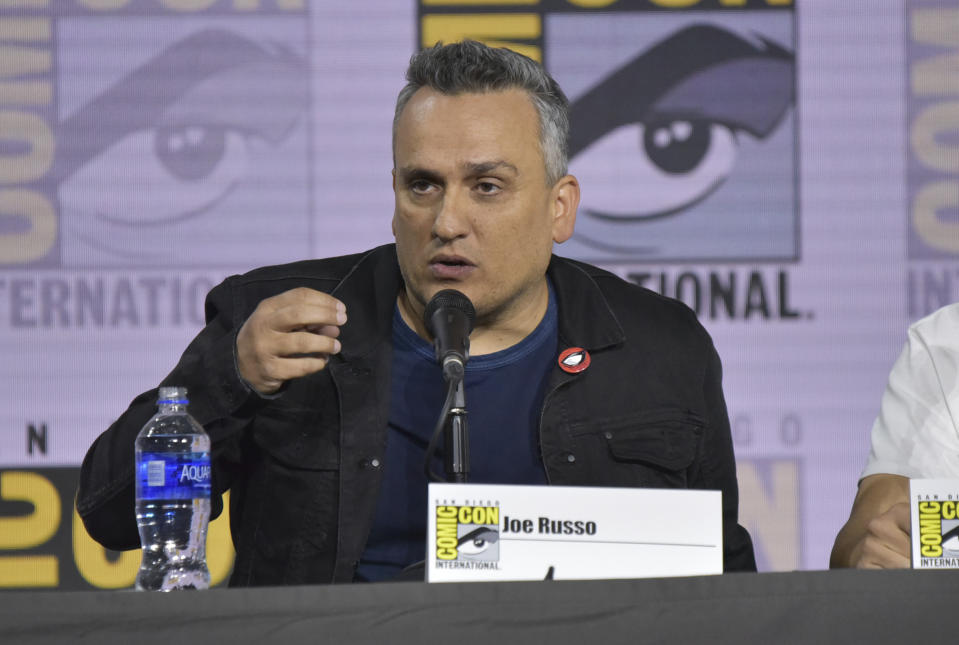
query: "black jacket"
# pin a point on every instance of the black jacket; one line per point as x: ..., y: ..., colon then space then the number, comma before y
x: 304, y: 468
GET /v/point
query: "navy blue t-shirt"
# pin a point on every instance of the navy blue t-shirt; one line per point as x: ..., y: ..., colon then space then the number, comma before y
x: 504, y: 397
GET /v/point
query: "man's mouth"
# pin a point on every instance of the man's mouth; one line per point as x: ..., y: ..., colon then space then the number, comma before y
x: 450, y: 267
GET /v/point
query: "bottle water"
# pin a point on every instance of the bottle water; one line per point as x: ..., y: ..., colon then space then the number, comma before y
x: 173, y: 497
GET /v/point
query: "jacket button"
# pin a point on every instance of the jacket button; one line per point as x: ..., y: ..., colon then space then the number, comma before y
x: 570, y: 457
x: 374, y: 463
x: 608, y: 434
x: 370, y: 464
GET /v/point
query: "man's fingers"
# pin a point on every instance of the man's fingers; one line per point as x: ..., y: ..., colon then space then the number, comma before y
x: 297, y: 308
x: 327, y: 330
x: 901, y: 516
x: 305, y: 297
x: 300, y: 315
x: 878, y: 556
x: 898, y: 529
x: 303, y: 343
x: 284, y: 369
x: 287, y: 336
x: 886, y: 544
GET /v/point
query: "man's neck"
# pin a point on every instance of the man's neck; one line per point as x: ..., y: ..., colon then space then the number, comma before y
x: 494, y: 331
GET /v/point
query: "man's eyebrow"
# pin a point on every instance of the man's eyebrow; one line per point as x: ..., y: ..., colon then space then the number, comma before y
x: 485, y: 167
x: 472, y: 169
x: 410, y: 173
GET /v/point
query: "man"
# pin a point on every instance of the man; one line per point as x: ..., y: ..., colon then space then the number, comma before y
x: 915, y: 435
x: 316, y: 380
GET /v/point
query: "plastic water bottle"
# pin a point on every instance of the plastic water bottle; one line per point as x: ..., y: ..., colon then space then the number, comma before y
x: 173, y: 497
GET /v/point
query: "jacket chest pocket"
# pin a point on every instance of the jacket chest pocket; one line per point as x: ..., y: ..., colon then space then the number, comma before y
x: 653, y: 450
x: 296, y: 438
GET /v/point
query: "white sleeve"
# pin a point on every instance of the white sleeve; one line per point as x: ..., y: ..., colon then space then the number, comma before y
x: 915, y: 434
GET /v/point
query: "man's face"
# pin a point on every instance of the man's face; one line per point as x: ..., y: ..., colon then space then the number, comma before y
x: 473, y: 209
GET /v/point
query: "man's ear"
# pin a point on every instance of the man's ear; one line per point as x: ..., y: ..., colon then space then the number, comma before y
x: 565, y: 200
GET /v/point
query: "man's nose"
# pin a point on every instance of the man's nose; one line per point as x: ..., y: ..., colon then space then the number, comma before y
x: 452, y: 218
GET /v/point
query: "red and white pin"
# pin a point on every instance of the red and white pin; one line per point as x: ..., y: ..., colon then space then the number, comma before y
x: 574, y: 360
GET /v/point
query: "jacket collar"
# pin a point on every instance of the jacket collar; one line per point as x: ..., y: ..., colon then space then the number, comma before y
x: 369, y: 292
x: 585, y: 318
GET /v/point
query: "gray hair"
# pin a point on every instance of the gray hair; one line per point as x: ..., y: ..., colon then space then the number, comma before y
x: 469, y: 66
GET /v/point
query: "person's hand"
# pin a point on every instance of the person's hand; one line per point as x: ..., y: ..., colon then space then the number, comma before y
x: 288, y: 336
x: 886, y: 543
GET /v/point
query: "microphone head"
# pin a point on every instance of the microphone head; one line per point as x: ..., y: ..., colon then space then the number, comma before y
x: 449, y: 299
x: 449, y: 318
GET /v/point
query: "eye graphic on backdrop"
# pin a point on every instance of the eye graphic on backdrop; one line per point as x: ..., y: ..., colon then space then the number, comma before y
x: 661, y: 133
x: 175, y: 172
x: 175, y: 137
x: 477, y: 541
x: 659, y: 168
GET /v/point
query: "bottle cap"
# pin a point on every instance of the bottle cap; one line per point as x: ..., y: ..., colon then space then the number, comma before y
x: 172, y: 396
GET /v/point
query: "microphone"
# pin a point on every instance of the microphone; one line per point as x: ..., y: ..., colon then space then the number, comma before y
x: 449, y: 318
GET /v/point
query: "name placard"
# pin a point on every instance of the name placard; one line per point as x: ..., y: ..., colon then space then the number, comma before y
x: 934, y: 504
x: 495, y: 532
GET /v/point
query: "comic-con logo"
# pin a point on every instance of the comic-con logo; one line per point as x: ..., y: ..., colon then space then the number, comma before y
x: 467, y: 533
x: 939, y: 533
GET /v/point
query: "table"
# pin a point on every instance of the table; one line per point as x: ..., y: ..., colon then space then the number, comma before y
x: 847, y: 606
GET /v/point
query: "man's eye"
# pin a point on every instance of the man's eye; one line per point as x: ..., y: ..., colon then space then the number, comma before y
x: 420, y: 186
x: 487, y: 187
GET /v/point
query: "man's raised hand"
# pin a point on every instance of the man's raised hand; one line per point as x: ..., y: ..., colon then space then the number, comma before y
x: 288, y: 336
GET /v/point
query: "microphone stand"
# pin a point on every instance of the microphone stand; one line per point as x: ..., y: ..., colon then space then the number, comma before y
x: 449, y: 318
x: 456, y: 438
